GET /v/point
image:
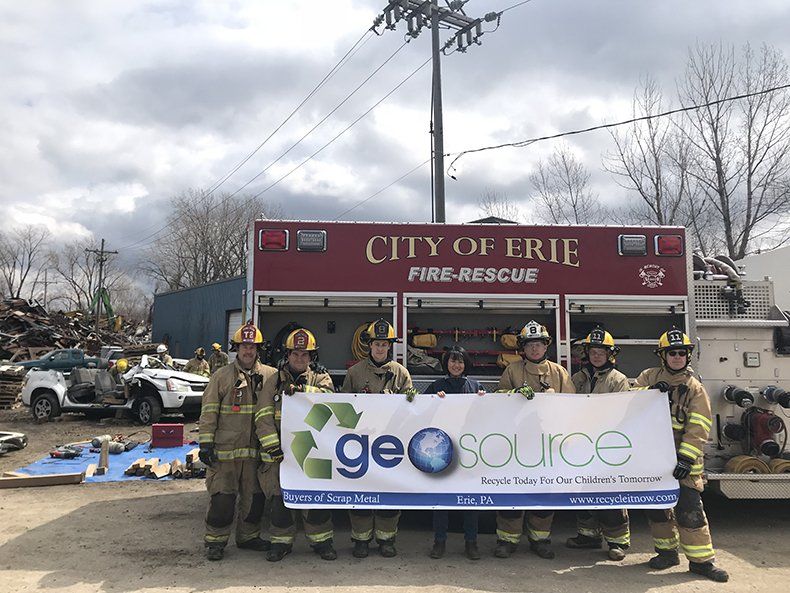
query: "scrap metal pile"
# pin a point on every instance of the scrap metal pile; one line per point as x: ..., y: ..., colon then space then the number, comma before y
x: 28, y: 331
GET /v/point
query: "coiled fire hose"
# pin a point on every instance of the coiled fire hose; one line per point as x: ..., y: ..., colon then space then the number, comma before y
x: 779, y: 466
x: 359, y: 349
x: 746, y: 464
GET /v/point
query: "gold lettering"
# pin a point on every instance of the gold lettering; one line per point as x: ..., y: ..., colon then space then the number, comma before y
x: 486, y: 244
x: 369, y: 249
x: 457, y: 245
x: 553, y: 243
x: 434, y: 245
x: 571, y: 252
x: 412, y: 244
x: 512, y: 247
x: 394, y: 250
x: 534, y: 245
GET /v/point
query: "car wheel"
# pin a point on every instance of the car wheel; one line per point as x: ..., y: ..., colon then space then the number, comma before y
x: 149, y: 410
x: 45, y: 407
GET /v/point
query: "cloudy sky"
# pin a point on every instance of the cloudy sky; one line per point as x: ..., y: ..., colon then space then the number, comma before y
x: 111, y: 108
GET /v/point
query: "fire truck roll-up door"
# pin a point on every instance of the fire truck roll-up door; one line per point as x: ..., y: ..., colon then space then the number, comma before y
x: 234, y: 322
x: 635, y: 322
x: 475, y: 322
x: 333, y: 317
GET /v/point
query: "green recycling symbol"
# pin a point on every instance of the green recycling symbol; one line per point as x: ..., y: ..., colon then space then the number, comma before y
x: 304, y: 442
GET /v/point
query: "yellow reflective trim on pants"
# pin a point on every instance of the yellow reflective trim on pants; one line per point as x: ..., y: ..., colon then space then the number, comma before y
x: 362, y: 535
x: 670, y: 543
x: 697, y: 551
x: 282, y: 539
x: 677, y: 426
x: 386, y: 535
x: 243, y: 453
x: 209, y: 408
x: 267, y: 411
x: 269, y: 439
x: 212, y: 539
x: 537, y: 536
x: 251, y: 537
x: 586, y: 531
x: 506, y: 536
x: 701, y: 420
x: 317, y: 538
x: 206, y: 437
x: 623, y: 540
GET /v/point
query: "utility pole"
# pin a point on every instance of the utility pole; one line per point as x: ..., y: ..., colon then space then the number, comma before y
x: 46, y: 285
x: 422, y: 13
x: 102, y: 258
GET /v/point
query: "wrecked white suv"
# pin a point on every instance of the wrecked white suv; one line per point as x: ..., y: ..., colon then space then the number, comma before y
x: 144, y: 391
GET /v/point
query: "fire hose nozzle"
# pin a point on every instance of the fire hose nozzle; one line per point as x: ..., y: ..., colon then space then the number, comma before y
x: 776, y: 395
x: 738, y: 396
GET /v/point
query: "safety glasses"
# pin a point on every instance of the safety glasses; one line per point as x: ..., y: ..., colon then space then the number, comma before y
x: 677, y: 352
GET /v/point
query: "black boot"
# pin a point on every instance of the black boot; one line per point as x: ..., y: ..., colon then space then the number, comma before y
x: 584, y: 542
x: 708, y: 569
x: 278, y: 552
x: 542, y: 549
x: 616, y: 552
x: 387, y: 548
x: 361, y: 549
x: 471, y: 551
x: 257, y: 544
x: 326, y: 550
x: 215, y: 552
x: 504, y: 549
x: 664, y: 559
x: 437, y: 551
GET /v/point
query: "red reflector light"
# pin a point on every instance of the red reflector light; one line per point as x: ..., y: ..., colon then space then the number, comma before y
x: 671, y: 245
x: 273, y: 240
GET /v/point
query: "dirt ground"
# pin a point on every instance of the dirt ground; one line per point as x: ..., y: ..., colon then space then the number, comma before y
x: 146, y: 536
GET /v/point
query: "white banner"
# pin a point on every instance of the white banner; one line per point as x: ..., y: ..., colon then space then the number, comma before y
x: 498, y: 451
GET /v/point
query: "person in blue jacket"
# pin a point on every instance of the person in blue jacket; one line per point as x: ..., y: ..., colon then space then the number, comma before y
x: 455, y: 363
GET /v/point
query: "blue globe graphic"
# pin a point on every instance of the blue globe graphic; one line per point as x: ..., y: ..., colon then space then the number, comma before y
x: 431, y: 450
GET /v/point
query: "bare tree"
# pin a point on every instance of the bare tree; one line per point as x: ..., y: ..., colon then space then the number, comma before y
x: 563, y: 192
x: 23, y: 251
x: 499, y: 205
x: 206, y: 239
x: 78, y: 274
x: 739, y: 150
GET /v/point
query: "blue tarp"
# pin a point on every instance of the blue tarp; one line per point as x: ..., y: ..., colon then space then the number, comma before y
x: 118, y: 462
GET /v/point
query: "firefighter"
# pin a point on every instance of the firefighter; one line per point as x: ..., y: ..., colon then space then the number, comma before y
x: 685, y: 526
x: 218, y: 358
x: 599, y: 375
x: 534, y: 374
x: 229, y: 448
x: 198, y: 365
x: 377, y: 373
x: 297, y: 374
x: 118, y: 369
x: 164, y: 355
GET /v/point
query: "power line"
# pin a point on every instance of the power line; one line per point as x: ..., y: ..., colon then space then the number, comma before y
x: 504, y: 10
x: 385, y: 188
x: 529, y: 141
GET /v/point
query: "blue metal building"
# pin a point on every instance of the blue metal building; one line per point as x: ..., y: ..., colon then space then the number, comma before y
x: 198, y: 316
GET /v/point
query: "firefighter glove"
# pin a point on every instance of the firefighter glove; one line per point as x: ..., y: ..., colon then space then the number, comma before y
x: 682, y: 469
x: 276, y: 453
x: 526, y: 391
x: 662, y: 386
x: 208, y: 455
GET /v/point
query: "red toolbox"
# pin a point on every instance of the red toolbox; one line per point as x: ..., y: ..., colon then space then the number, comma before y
x: 167, y: 435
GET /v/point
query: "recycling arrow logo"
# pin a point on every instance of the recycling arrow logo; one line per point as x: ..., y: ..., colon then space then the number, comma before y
x: 304, y: 442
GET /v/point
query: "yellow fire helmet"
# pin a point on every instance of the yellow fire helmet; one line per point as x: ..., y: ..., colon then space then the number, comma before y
x: 301, y: 339
x: 200, y: 351
x: 248, y: 334
x: 122, y: 365
x: 533, y: 331
x: 381, y: 329
x: 216, y: 346
x: 674, y: 338
x: 600, y: 338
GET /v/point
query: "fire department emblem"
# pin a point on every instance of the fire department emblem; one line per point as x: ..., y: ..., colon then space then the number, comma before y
x: 652, y: 275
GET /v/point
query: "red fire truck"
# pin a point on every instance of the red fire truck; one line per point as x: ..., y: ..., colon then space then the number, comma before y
x: 477, y: 284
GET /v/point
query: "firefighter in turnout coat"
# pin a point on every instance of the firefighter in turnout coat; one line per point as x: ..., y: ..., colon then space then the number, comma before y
x: 599, y: 375
x: 377, y: 374
x: 534, y: 374
x: 296, y: 375
x: 685, y: 526
x: 230, y: 450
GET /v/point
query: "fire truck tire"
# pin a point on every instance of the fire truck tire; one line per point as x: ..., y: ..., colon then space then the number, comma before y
x: 45, y: 406
x: 149, y: 410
